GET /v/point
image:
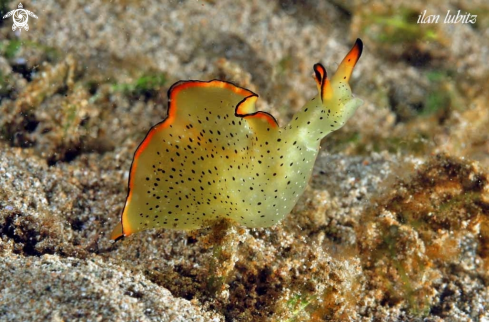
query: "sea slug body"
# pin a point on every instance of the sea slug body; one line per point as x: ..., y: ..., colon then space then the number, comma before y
x: 215, y: 157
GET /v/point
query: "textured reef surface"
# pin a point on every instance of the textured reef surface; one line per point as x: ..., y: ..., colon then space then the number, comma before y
x: 393, y: 225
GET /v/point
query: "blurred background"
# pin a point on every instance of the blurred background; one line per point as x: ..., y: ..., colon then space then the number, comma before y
x: 424, y: 83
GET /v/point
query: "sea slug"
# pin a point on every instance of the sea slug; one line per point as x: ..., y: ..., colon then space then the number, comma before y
x: 215, y: 157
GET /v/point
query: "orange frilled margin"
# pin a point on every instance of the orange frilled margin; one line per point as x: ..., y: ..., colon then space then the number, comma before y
x: 244, y: 109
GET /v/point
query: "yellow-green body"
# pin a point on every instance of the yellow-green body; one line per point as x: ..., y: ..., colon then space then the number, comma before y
x: 215, y: 157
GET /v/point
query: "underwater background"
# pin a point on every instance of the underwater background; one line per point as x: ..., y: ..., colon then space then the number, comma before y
x: 394, y: 225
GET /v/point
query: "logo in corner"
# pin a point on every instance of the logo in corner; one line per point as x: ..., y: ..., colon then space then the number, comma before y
x: 20, y: 16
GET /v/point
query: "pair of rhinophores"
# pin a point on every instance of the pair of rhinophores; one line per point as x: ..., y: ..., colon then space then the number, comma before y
x: 215, y: 157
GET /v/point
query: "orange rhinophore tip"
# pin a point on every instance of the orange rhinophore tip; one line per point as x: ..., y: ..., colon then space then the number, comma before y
x: 322, y: 82
x: 345, y: 69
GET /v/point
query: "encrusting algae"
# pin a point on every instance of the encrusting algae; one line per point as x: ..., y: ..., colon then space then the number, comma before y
x: 424, y: 231
x: 215, y: 156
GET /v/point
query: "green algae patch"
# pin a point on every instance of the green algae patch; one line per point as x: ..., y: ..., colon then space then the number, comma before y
x: 444, y: 96
x: 398, y: 28
x: 10, y: 48
x: 147, y: 84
